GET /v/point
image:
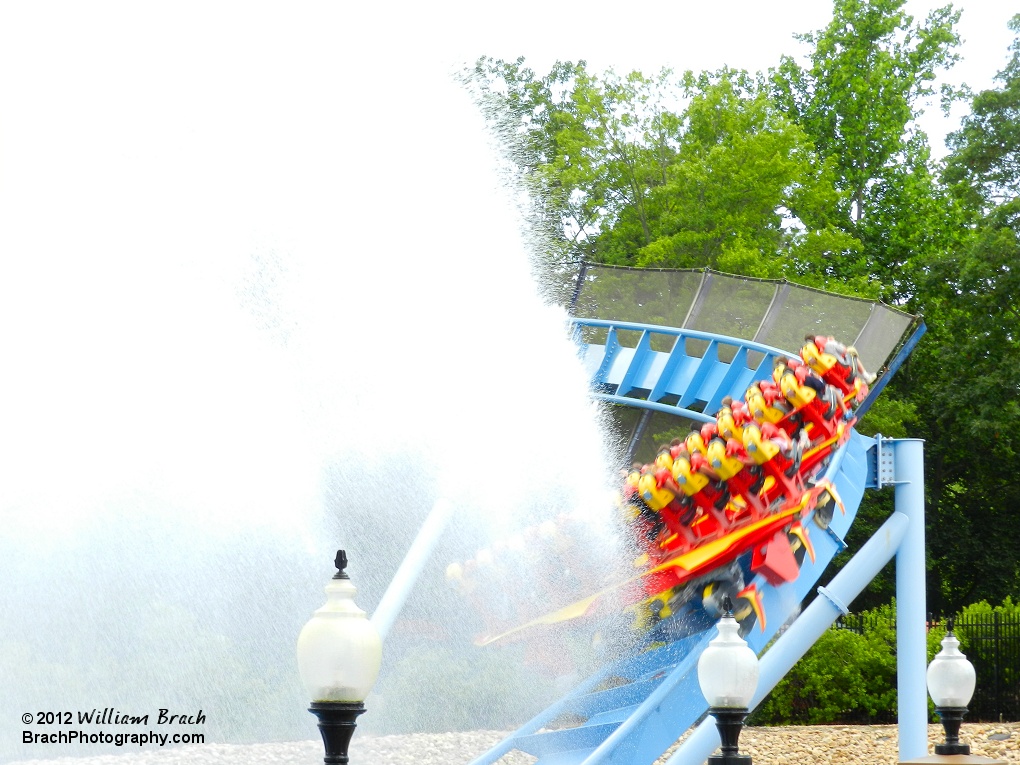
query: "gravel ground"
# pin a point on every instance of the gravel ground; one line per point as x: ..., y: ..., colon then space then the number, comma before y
x: 818, y: 745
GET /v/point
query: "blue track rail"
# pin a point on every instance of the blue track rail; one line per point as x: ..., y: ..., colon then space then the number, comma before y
x: 636, y: 708
x: 692, y: 378
x: 689, y: 380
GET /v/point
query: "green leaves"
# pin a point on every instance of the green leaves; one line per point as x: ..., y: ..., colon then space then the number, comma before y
x: 817, y: 172
x: 743, y: 173
x: 843, y: 674
x: 870, y: 73
x: 652, y: 171
x: 967, y: 382
x: 985, y: 164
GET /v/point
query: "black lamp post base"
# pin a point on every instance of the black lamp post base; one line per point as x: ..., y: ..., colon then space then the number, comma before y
x: 337, y: 721
x: 729, y: 722
x: 729, y: 759
x: 952, y: 718
x: 952, y: 749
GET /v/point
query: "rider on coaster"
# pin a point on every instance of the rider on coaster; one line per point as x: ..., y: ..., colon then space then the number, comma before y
x: 731, y: 418
x: 817, y: 403
x: 825, y: 354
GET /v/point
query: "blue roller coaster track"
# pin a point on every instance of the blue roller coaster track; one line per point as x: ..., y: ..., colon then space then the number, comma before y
x: 633, y: 710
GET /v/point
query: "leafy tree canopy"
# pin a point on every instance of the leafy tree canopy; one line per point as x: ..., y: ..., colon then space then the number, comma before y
x: 817, y: 172
x: 985, y: 163
x: 870, y: 72
x: 965, y: 379
x: 700, y: 171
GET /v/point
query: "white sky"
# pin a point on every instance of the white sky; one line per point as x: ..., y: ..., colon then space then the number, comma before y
x: 688, y: 35
x: 149, y: 151
x: 744, y: 34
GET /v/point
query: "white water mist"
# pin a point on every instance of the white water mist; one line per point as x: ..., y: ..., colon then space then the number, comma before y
x: 262, y: 296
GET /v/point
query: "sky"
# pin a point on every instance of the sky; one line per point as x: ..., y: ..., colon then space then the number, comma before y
x: 742, y: 34
x: 158, y: 160
x: 155, y: 160
x: 686, y: 35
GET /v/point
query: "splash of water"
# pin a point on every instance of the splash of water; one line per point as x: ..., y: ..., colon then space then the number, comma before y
x: 263, y: 297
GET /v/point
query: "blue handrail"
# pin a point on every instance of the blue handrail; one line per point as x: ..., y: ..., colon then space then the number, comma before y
x: 674, y: 381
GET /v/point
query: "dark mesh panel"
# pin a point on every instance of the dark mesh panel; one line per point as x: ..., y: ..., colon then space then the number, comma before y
x: 774, y: 313
x: 882, y: 335
x: 648, y: 297
x: 630, y: 295
x: 806, y: 311
x: 733, y: 306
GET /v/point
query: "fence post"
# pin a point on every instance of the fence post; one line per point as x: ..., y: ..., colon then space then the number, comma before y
x: 996, y: 666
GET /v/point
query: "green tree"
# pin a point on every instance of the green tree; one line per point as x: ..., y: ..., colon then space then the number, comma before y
x: 746, y: 192
x: 870, y: 72
x: 965, y: 380
x: 728, y: 182
x: 844, y: 674
x: 984, y: 166
x: 585, y: 147
x: 966, y: 385
x: 817, y: 173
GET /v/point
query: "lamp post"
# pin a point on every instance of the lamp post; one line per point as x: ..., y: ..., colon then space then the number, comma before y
x: 339, y: 653
x: 951, y: 681
x: 728, y: 676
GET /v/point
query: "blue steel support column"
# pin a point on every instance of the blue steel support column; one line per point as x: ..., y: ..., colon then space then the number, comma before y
x: 411, y: 567
x: 911, y: 608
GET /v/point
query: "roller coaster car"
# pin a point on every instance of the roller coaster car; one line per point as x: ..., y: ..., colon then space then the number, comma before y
x: 773, y: 546
x: 744, y: 479
x: 720, y: 509
x: 794, y: 389
x: 726, y: 457
x: 778, y: 456
x: 726, y: 424
x: 691, y: 607
x: 719, y: 544
x: 771, y: 486
x: 652, y: 491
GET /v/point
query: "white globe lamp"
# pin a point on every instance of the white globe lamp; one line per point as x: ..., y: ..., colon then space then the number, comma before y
x: 339, y: 653
x: 951, y: 680
x: 728, y: 675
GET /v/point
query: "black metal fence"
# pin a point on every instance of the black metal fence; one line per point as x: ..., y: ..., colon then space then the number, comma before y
x: 991, y: 642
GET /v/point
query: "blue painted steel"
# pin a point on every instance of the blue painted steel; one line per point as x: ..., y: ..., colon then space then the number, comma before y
x: 586, y: 736
x: 659, y: 721
x: 635, y: 722
x: 655, y: 407
x: 884, y: 469
x: 643, y: 378
x: 614, y: 698
x: 648, y: 668
x: 411, y: 567
x: 638, y: 368
x: 805, y: 631
x: 911, y: 657
x: 649, y: 379
x: 654, y: 724
x: 542, y: 719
